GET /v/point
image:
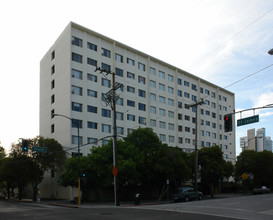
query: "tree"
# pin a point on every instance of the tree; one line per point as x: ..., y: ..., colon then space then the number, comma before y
x: 257, y: 165
x: 213, y: 168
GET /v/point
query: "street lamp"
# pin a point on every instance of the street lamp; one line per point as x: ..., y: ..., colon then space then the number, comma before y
x: 79, y: 166
x: 250, y: 140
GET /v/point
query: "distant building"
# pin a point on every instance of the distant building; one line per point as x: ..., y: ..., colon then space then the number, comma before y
x: 258, y: 143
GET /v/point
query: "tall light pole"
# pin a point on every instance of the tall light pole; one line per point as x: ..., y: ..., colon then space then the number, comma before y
x: 79, y: 165
x: 195, y: 146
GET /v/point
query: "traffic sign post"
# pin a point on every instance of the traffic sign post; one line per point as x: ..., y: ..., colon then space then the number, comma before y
x: 39, y: 149
x: 249, y: 120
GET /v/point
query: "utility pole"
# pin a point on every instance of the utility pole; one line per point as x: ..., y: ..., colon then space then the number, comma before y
x: 110, y: 99
x: 195, y: 146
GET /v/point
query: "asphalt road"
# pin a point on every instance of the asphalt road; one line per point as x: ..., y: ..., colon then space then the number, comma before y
x: 243, y: 207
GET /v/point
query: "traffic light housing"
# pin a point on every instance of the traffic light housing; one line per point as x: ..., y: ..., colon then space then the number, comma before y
x: 24, y: 145
x: 228, y: 123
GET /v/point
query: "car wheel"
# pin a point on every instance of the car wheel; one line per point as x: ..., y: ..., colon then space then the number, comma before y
x: 200, y: 197
x: 186, y: 199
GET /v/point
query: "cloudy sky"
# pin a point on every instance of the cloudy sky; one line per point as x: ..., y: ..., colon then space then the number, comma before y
x: 221, y: 41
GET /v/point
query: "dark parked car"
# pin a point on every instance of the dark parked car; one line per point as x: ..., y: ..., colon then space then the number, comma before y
x: 186, y: 194
x: 261, y: 190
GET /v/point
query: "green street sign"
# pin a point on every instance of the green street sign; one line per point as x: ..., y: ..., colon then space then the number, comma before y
x: 39, y: 149
x: 249, y: 120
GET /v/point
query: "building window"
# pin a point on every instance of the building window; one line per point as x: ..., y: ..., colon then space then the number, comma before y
x: 119, y: 116
x: 180, y: 140
x: 180, y: 116
x: 130, y: 117
x: 106, y: 128
x: 179, y: 104
x: 119, y: 72
x: 152, y: 84
x: 130, y: 61
x: 119, y: 58
x: 213, y: 95
x: 106, y: 82
x: 92, y: 62
x: 162, y: 137
x: 153, y: 97
x: 171, y: 126
x: 170, y: 114
x: 162, y: 124
x: 141, y: 66
x: 106, y: 113
x: 93, y: 141
x: 141, y: 107
x: 76, y: 90
x: 170, y: 78
x: 142, y: 120
x: 105, y: 67
x: 119, y: 101
x: 92, y: 125
x: 152, y: 71
x: 120, y: 130
x: 105, y: 52
x: 152, y: 110
x: 52, y: 99
x: 186, y: 95
x: 186, y: 83
x: 161, y: 74
x: 141, y: 80
x: 193, y: 98
x: 77, y: 41
x: 162, y: 99
x: 180, y: 128
x: 153, y: 123
x: 53, y: 55
x: 141, y: 93
x: 187, y: 140
x: 179, y: 81
x: 130, y: 89
x: 76, y: 74
x: 53, y: 69
x: 206, y: 92
x: 130, y: 75
x: 53, y: 84
x: 171, y: 139
x: 76, y: 107
x: 130, y: 103
x: 170, y: 90
x: 170, y: 102
x: 77, y: 57
x: 75, y: 123
x: 193, y: 87
x: 187, y: 129
x: 179, y: 93
x: 92, y: 109
x: 92, y: 93
x: 187, y: 118
x: 92, y: 77
x: 201, y: 90
x: 161, y: 87
x: 224, y: 98
x: 92, y: 46
x: 162, y: 112
x: 76, y: 140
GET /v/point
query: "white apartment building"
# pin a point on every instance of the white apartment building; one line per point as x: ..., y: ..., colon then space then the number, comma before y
x: 154, y: 94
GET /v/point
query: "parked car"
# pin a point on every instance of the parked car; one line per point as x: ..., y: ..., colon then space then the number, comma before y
x: 261, y: 190
x: 186, y: 194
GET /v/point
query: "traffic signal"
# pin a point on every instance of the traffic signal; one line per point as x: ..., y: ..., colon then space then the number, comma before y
x: 228, y: 122
x: 24, y: 145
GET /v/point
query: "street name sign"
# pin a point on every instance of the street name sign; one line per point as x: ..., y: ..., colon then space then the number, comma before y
x: 249, y: 120
x: 39, y: 149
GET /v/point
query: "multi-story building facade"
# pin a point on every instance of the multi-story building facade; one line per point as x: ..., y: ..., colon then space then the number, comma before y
x: 154, y: 94
x: 258, y: 143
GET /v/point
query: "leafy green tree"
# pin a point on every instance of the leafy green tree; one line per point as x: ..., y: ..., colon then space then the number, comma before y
x: 213, y: 168
x: 257, y: 165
